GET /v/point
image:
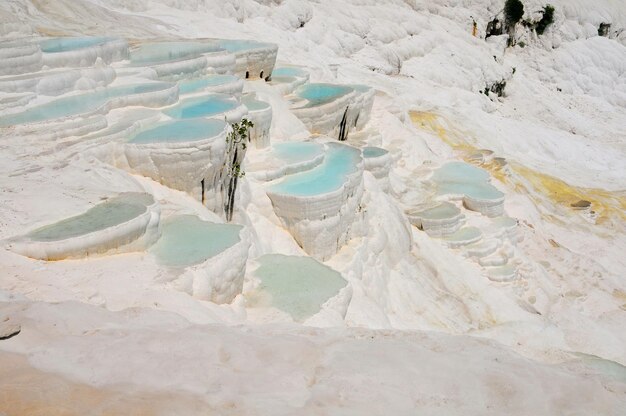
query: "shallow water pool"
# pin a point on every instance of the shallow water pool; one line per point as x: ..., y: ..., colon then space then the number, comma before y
x: 115, y: 211
x: 371, y: 152
x: 69, y: 44
x: 297, y: 285
x: 78, y: 104
x: 193, y: 85
x: 317, y: 94
x: 162, y: 52
x: 179, y: 131
x: 459, y: 178
x: 205, y: 106
x: 187, y: 240
x: 329, y: 176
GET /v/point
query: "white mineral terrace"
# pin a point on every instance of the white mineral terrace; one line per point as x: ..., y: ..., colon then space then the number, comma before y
x: 181, y: 154
x: 378, y: 161
x: 459, y: 180
x: 332, y: 109
x: 128, y: 222
x: 283, y: 159
x: 217, y: 106
x: 82, y: 52
x: 254, y: 60
x: 212, y: 257
x: 260, y: 113
x: 319, y: 206
x: 425, y: 216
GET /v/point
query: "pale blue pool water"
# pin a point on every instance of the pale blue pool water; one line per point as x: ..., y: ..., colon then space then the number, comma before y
x: 237, y: 45
x: 178, y: 131
x: 205, y: 106
x: 474, y: 190
x: 187, y: 240
x: 115, y: 211
x: 297, y: 285
x: 505, y: 222
x: 458, y: 178
x: 78, y: 104
x: 608, y: 368
x: 69, y: 44
x: 162, y: 52
x: 288, y: 71
x: 294, y: 152
x: 193, y: 85
x: 370, y: 152
x: 329, y: 176
x: 465, y: 234
x: 317, y: 94
x: 506, y: 271
x: 439, y: 212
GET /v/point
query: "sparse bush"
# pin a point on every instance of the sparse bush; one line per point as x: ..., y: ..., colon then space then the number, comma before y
x: 546, y: 20
x: 513, y: 11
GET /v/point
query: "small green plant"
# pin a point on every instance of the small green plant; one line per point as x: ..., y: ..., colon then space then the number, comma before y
x: 521, y: 44
x: 513, y: 11
x: 238, y: 138
x: 546, y: 20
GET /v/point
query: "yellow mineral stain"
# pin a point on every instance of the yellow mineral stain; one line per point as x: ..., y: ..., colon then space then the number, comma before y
x: 606, y: 204
x: 435, y: 123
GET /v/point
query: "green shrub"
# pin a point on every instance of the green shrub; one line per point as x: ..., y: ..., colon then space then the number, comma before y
x: 513, y: 11
x: 546, y: 20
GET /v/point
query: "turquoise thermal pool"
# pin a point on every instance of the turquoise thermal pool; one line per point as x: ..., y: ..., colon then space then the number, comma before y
x: 458, y: 178
x: 69, y: 44
x: 371, y: 152
x: 115, y: 211
x: 297, y: 285
x: 329, y: 176
x: 78, y: 104
x: 207, y: 105
x: 317, y: 94
x: 187, y: 240
x: 162, y: 52
x: 180, y: 131
x: 193, y: 85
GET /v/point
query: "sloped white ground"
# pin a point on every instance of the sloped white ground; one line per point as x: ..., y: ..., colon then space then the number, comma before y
x: 571, y: 295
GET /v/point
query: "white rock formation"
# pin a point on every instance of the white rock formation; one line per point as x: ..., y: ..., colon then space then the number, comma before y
x: 97, y: 231
x: 260, y: 113
x: 254, y: 60
x: 186, y: 165
x: 323, y: 222
x: 108, y: 50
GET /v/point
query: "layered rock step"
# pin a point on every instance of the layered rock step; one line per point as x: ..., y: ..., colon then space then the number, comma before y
x: 210, y: 256
x: 319, y: 206
x: 459, y: 180
x: 182, y: 154
x: 125, y: 223
x: 331, y: 108
x: 440, y: 220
